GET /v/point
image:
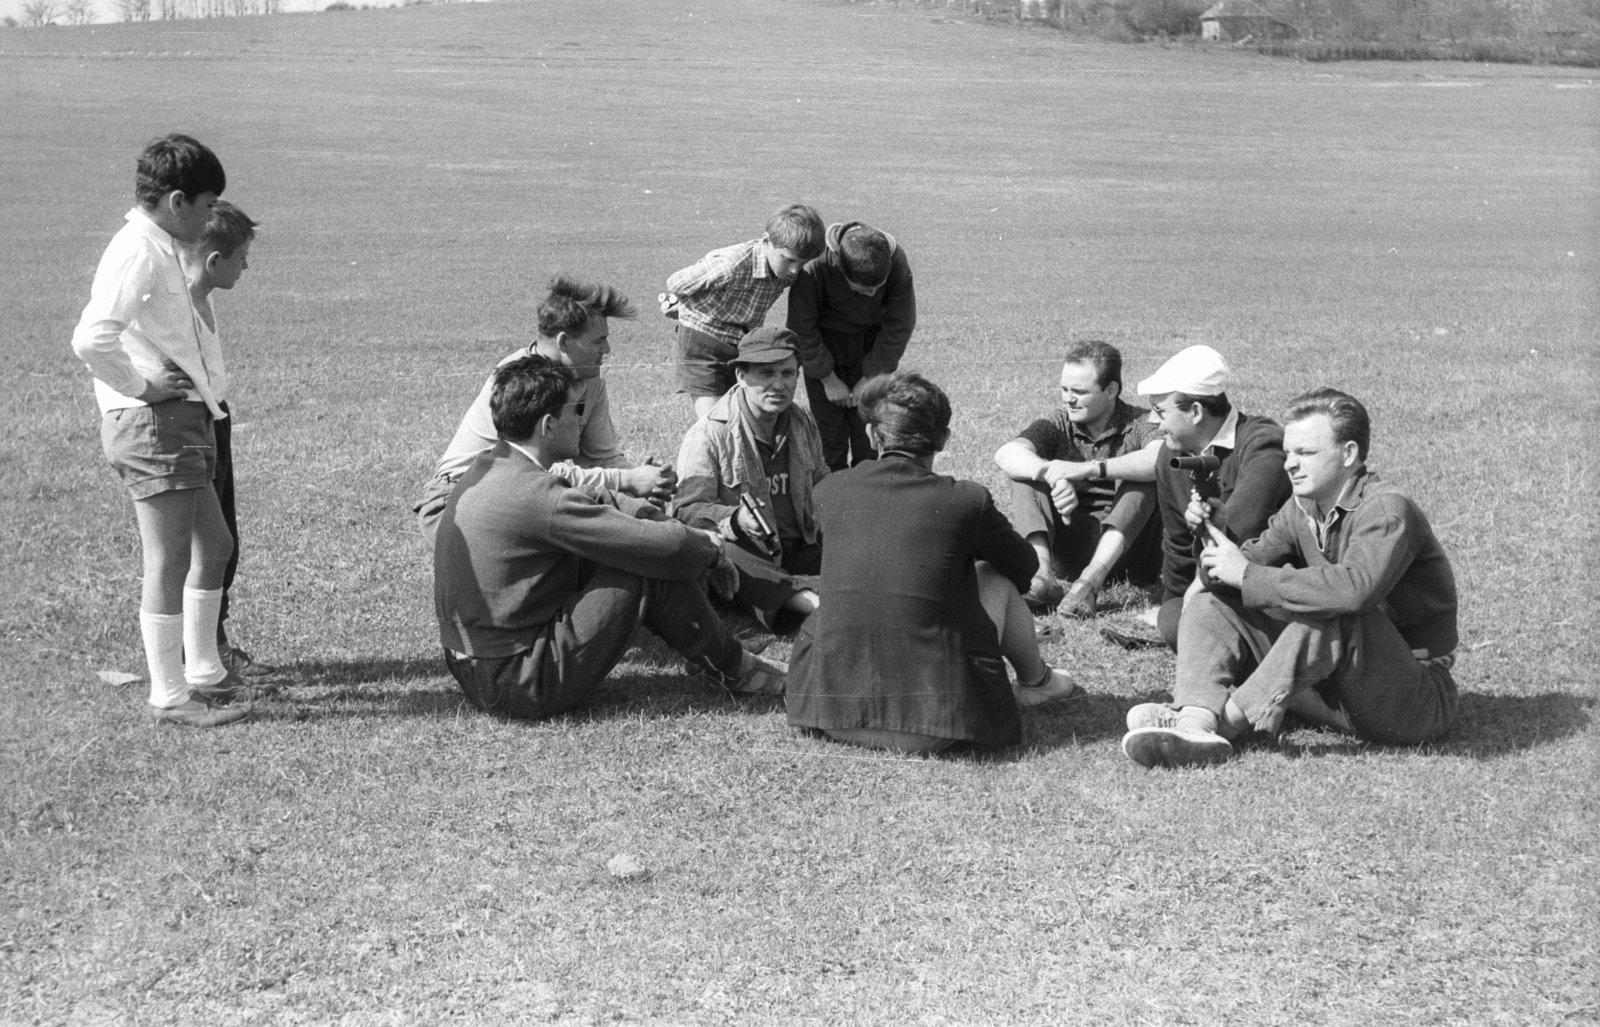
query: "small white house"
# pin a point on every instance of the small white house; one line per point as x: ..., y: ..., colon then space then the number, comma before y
x: 1234, y: 21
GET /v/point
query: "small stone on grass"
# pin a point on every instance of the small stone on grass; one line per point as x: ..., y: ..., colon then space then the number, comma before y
x: 116, y: 677
x: 625, y: 867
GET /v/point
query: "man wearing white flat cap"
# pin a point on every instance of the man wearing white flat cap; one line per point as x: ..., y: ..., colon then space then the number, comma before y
x: 1191, y: 410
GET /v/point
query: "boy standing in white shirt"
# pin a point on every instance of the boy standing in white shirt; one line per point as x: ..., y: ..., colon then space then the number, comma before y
x: 141, y: 338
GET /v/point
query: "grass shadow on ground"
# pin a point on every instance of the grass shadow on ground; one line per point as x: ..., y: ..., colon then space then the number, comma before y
x: 1486, y: 727
x: 1493, y: 726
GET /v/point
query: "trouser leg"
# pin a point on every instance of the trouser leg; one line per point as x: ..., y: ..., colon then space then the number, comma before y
x: 1219, y: 644
x: 1072, y: 542
x: 1389, y: 695
x: 1169, y: 619
x: 1364, y: 666
x: 680, y: 613
x: 843, y: 431
x: 1133, y: 514
x: 763, y: 586
x: 585, y: 642
x: 223, y: 483
x: 569, y: 660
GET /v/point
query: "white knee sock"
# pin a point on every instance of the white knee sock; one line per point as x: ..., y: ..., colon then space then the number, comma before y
x: 163, y: 654
x: 201, y: 663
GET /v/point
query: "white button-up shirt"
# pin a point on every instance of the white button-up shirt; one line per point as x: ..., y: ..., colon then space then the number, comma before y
x: 139, y: 315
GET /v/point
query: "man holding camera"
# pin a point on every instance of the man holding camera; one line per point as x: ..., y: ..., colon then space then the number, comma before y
x: 1237, y: 492
x: 1342, y: 612
x: 746, y: 470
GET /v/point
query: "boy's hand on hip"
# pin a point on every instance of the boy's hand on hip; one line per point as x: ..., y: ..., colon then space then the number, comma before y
x: 168, y: 383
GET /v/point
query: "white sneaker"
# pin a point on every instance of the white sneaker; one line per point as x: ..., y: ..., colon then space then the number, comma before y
x: 1152, y: 714
x: 760, y: 675
x: 1057, y: 686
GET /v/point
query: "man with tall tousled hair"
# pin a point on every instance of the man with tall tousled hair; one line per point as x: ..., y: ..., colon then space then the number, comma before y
x: 574, y: 331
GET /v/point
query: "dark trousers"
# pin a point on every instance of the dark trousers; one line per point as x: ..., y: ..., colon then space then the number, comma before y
x: 1358, y: 663
x: 577, y: 650
x: 844, y: 433
x: 222, y: 481
x: 1073, y: 543
x: 765, y: 585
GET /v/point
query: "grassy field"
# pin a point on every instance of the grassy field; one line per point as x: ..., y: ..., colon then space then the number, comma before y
x: 368, y: 851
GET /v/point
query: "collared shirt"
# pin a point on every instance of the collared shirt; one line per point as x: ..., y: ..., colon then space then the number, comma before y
x: 727, y: 292
x: 600, y: 456
x: 140, y: 316
x: 1322, y: 529
x: 1057, y: 437
x: 1226, y: 436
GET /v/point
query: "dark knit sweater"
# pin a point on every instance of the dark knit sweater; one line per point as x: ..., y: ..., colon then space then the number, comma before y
x: 510, y: 544
x: 1253, y: 486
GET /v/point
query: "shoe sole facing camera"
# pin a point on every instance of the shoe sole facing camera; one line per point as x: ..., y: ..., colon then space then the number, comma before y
x: 1168, y: 747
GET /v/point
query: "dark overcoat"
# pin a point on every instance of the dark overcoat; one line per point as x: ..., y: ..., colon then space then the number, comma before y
x: 901, y: 642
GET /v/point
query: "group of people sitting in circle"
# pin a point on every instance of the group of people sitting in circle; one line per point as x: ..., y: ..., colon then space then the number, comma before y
x: 1294, y: 582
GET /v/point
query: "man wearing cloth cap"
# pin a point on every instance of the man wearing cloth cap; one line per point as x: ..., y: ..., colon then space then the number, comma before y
x: 1191, y: 411
x: 1344, y: 614
x: 756, y: 443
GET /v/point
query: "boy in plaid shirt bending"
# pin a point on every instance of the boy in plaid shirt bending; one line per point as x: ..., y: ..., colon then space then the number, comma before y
x: 724, y: 295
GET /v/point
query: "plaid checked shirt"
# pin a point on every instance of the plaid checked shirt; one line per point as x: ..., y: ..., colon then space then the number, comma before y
x: 727, y: 292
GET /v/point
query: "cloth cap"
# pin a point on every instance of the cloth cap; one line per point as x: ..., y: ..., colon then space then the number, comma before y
x: 767, y: 346
x: 1196, y: 371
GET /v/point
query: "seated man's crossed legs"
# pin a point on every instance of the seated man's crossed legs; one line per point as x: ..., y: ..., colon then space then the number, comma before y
x: 1084, y: 549
x: 1242, y: 670
x: 580, y: 648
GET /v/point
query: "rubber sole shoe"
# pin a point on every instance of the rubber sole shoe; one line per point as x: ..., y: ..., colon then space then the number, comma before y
x: 1169, y: 747
x: 239, y: 662
x: 1043, y: 596
x: 1058, y: 687
x: 760, y: 675
x: 233, y: 688
x: 1152, y: 714
x: 198, y: 713
x: 1082, y: 602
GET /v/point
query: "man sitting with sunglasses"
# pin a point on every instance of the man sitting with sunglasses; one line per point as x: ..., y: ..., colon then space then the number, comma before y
x: 574, y: 331
x: 539, y: 587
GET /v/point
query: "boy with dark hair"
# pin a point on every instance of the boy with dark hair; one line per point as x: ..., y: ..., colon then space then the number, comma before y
x: 157, y: 383
x: 573, y: 331
x: 216, y: 261
x: 539, y: 588
x: 852, y: 310
x: 724, y: 295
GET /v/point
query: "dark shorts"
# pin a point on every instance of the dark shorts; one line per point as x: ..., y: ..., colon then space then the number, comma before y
x: 705, y: 364
x: 167, y: 447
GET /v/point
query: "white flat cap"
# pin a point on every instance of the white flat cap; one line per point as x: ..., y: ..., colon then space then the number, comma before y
x: 1196, y: 371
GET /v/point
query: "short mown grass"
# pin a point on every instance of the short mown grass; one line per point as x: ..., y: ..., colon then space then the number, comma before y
x: 369, y: 851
